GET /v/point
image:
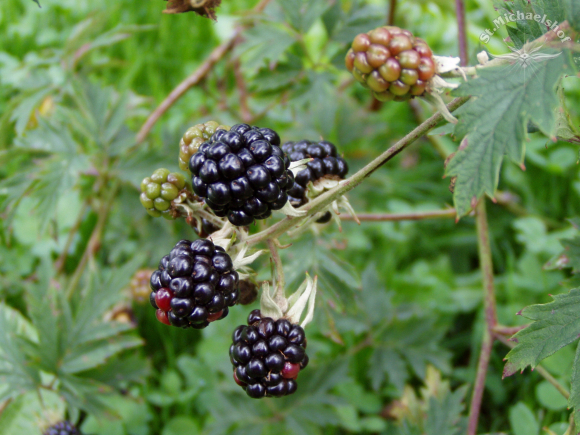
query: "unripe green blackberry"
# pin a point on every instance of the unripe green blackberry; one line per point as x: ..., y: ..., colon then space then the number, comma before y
x: 158, y: 190
x: 391, y: 62
x: 193, y: 138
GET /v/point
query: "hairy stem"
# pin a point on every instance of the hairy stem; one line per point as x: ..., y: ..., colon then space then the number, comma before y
x: 279, y: 296
x: 389, y: 217
x: 461, y: 34
x: 350, y: 183
x: 486, y: 266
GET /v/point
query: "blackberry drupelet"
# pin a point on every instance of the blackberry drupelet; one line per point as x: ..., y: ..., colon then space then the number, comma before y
x: 62, y: 428
x: 267, y: 356
x: 158, y: 190
x: 326, y: 164
x: 242, y: 173
x: 194, y: 285
x: 391, y: 62
x: 193, y: 138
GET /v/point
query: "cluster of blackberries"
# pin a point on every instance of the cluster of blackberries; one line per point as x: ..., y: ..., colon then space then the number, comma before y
x: 62, y: 428
x: 194, y: 285
x: 242, y: 173
x: 326, y: 163
x: 267, y: 356
x: 392, y: 62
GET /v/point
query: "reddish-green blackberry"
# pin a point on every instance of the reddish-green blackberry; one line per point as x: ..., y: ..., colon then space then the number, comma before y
x: 194, y: 285
x: 62, y: 428
x: 391, y: 62
x: 327, y: 164
x: 242, y: 173
x: 267, y: 356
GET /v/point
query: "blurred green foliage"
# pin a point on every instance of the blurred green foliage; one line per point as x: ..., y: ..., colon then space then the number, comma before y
x: 396, y: 336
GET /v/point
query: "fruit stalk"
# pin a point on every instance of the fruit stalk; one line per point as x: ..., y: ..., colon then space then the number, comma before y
x: 350, y: 183
x: 279, y: 296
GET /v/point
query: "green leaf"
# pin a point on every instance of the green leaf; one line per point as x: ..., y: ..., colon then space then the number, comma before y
x: 549, y: 397
x: 522, y: 420
x: 265, y: 43
x: 92, y: 354
x: 302, y: 14
x: 181, y: 425
x: 572, y: 12
x: 444, y: 414
x: 555, y: 325
x: 28, y: 413
x: 16, y: 375
x: 493, y: 123
x: 387, y: 362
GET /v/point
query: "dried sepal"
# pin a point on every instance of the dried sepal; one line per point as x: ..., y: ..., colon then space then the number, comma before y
x: 204, y: 8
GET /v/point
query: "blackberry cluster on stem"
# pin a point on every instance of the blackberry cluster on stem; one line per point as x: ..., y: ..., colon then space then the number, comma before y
x: 326, y: 164
x: 267, y: 356
x: 242, y: 173
x: 194, y: 285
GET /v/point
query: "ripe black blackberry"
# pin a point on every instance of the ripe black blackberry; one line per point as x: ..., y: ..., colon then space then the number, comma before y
x: 242, y: 173
x: 194, y: 285
x: 267, y: 356
x: 62, y: 428
x: 327, y: 164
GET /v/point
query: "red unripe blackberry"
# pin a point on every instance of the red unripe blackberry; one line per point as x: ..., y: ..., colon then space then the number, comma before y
x: 267, y: 356
x: 194, y: 285
x: 391, y: 62
x: 242, y: 173
x: 62, y: 428
x: 327, y: 164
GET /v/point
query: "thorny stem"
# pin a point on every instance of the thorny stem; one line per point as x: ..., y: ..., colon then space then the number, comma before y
x: 198, y: 75
x: 279, y: 296
x: 486, y: 266
x: 95, y: 240
x: 350, y: 183
x: 539, y: 369
x: 389, y: 217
